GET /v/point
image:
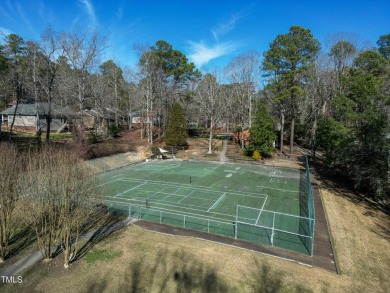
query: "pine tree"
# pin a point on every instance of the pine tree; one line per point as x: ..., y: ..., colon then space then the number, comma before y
x: 262, y: 133
x: 176, y: 132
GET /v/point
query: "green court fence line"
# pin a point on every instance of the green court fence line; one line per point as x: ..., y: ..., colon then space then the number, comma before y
x: 269, y: 235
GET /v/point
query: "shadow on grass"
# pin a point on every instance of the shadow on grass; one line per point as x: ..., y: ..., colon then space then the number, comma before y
x: 104, y: 225
x: 171, y: 272
x: 342, y: 186
x: 266, y: 279
x: 180, y: 271
x: 97, y: 286
x: 21, y: 240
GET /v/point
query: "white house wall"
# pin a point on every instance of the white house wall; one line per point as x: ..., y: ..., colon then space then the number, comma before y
x: 22, y: 121
x: 29, y: 122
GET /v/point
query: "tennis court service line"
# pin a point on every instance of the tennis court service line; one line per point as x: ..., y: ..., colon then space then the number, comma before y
x: 206, y: 189
x: 211, y: 169
x: 160, y: 191
x: 171, y: 166
x: 172, y: 207
x: 258, y: 218
x: 186, y: 196
x: 217, y: 202
x: 108, y: 182
x: 130, y: 189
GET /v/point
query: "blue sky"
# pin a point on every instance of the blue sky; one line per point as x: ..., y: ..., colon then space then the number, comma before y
x: 210, y: 33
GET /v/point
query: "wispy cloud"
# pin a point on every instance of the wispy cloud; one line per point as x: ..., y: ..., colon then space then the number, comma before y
x: 5, y: 14
x: 90, y: 10
x: 25, y: 19
x: 4, y: 32
x: 201, y: 54
x: 225, y: 27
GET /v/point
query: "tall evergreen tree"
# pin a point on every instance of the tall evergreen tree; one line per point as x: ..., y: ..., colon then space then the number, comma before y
x: 176, y: 132
x: 286, y: 64
x: 356, y: 138
x: 384, y: 46
x: 262, y: 132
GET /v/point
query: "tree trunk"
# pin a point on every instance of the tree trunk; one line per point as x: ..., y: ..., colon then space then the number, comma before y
x: 314, y: 137
x: 292, y: 135
x: 211, y: 138
x: 281, y: 131
x: 48, y: 122
x: 242, y: 136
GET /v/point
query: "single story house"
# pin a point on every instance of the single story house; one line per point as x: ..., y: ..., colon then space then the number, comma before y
x: 30, y: 116
x: 103, y: 117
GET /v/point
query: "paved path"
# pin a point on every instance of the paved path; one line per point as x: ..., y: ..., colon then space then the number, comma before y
x: 222, y: 156
x: 323, y: 251
x: 32, y: 259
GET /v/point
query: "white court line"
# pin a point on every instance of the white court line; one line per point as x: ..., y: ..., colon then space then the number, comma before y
x: 169, y: 194
x: 117, y: 175
x: 108, y: 182
x: 206, y: 189
x: 129, y: 189
x: 212, y: 169
x: 172, y: 206
x: 217, y: 202
x: 285, y: 190
x: 161, y: 191
x: 258, y: 218
x: 171, y: 166
x: 186, y: 196
x: 175, y: 212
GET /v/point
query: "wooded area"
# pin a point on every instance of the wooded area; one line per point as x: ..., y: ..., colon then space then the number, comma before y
x: 333, y: 101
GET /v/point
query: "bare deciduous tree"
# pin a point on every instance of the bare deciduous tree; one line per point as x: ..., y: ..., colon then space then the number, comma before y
x: 151, y: 80
x: 243, y: 72
x: 210, y: 102
x: 82, y: 50
x: 59, y: 196
x: 11, y: 167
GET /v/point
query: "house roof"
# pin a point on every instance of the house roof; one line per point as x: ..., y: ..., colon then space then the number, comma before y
x: 43, y: 109
x: 137, y: 113
x: 107, y: 113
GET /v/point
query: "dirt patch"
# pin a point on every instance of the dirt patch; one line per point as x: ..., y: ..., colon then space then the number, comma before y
x: 197, y: 149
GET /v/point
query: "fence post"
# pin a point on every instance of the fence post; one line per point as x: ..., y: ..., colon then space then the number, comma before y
x: 236, y: 228
x: 273, y: 231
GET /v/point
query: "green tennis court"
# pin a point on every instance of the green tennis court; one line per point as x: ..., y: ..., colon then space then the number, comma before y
x: 257, y: 203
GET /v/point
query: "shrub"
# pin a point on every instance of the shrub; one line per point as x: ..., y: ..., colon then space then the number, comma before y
x: 256, y: 155
x: 113, y: 130
x: 93, y: 137
x: 249, y: 151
